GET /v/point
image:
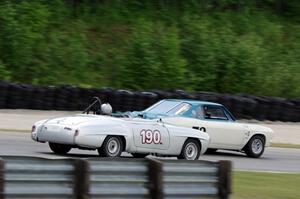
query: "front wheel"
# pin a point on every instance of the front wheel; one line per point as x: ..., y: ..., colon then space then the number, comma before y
x: 255, y: 147
x: 190, y: 150
x: 61, y: 149
x: 111, y: 147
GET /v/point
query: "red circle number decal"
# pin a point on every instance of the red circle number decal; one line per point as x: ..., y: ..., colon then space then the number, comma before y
x: 149, y: 136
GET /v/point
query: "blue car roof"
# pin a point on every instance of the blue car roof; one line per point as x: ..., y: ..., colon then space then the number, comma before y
x: 195, y: 102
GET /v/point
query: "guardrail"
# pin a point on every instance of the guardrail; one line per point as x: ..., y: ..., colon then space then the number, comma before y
x: 28, y: 177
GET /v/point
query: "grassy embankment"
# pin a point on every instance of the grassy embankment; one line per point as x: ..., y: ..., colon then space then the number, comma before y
x: 256, y: 185
x: 197, y: 45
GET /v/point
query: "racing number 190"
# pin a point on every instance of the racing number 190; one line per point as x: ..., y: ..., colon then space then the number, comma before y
x: 149, y: 137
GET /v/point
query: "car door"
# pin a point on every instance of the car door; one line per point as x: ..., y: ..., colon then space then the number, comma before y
x: 150, y: 136
x: 223, y: 130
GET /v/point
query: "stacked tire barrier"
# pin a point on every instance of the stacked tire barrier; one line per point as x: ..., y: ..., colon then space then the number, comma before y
x: 31, y: 177
x: 243, y: 106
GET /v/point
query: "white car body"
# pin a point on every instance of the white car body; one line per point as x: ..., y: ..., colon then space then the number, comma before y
x: 225, y: 135
x: 89, y: 131
x: 213, y: 118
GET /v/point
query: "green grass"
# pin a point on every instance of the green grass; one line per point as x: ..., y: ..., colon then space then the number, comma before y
x: 257, y: 185
x: 281, y: 145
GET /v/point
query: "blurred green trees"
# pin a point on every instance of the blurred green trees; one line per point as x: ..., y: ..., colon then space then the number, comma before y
x: 222, y: 46
x: 154, y: 59
x: 4, y: 74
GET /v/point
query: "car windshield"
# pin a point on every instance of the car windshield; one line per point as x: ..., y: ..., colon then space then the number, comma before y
x: 180, y: 109
x: 169, y: 107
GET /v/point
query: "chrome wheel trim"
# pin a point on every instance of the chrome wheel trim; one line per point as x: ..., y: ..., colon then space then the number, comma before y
x: 113, y: 146
x: 257, y: 146
x: 191, y: 151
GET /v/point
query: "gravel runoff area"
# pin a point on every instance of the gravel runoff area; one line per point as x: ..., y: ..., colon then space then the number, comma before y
x: 21, y: 121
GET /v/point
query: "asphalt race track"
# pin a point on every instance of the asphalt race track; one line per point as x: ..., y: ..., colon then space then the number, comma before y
x: 273, y: 160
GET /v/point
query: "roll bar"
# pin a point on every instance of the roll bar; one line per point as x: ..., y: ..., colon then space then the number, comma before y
x: 96, y: 101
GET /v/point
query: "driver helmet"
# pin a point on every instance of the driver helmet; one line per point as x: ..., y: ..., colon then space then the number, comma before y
x: 106, y: 109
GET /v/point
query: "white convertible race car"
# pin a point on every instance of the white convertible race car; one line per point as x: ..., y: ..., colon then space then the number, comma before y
x: 225, y: 132
x: 111, y: 136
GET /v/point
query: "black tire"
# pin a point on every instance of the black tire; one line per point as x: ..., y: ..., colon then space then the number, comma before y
x: 255, y: 147
x: 189, y: 145
x: 139, y: 155
x: 211, y: 151
x: 61, y: 149
x: 112, y: 147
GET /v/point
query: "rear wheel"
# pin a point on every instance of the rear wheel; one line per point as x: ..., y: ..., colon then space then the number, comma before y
x: 190, y: 150
x: 59, y: 148
x: 255, y: 147
x: 139, y: 155
x: 111, y: 147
